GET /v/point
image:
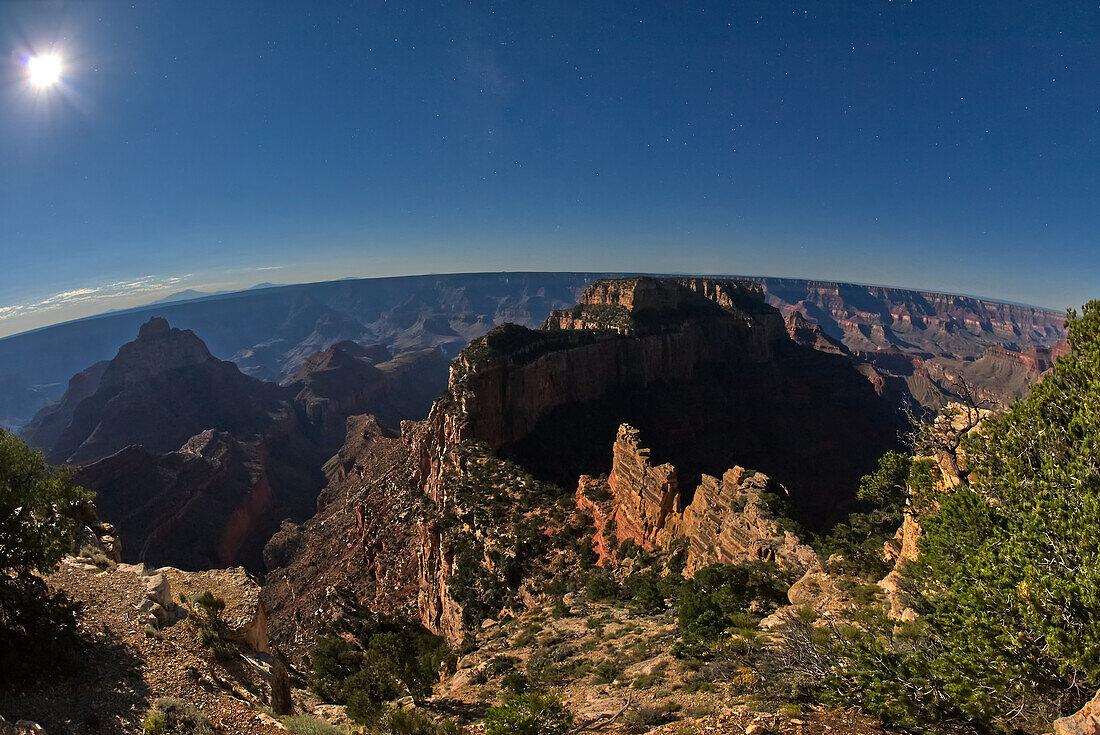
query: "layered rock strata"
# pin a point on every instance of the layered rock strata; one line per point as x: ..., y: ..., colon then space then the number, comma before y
x: 704, y: 368
x: 197, y: 463
x: 707, y: 369
x: 728, y: 520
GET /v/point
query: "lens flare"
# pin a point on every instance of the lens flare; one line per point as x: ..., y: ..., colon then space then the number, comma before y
x: 45, y: 71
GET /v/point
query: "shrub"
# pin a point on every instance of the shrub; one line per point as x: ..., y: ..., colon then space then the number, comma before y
x: 644, y: 592
x: 363, y: 660
x: 532, y: 713
x: 884, y: 493
x: 212, y: 629
x: 171, y: 716
x: 212, y: 606
x: 642, y: 718
x: 502, y: 664
x: 600, y: 584
x: 559, y: 609
x: 1008, y: 572
x: 545, y: 666
x: 627, y: 550
x: 719, y: 595
x: 607, y: 670
x: 409, y: 721
x: 38, y: 510
x: 309, y: 725
x: 528, y: 635
x: 515, y: 683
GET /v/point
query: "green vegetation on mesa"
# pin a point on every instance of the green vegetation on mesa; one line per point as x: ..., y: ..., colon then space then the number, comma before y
x: 38, y: 507
x: 509, y: 534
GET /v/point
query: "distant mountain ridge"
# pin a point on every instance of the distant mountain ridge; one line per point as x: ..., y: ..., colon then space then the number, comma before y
x: 271, y: 332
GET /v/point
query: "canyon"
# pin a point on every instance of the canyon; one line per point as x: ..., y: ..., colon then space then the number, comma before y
x: 688, y: 423
x: 197, y: 463
x: 706, y: 364
x: 270, y: 332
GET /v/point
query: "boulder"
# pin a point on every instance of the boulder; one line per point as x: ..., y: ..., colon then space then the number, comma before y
x: 818, y: 590
x: 1085, y: 721
x: 158, y: 590
x: 276, y: 679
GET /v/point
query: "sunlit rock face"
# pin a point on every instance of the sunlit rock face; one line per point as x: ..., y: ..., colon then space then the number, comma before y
x: 727, y: 521
x: 707, y: 370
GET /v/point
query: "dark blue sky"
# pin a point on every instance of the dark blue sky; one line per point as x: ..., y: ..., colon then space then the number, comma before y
x: 943, y: 145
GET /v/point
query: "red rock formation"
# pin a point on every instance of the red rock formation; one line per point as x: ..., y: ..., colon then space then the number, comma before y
x: 706, y: 365
x: 365, y: 538
x: 179, y: 444
x: 348, y: 380
x: 727, y: 520
x: 810, y: 334
x: 212, y: 503
x: 870, y: 318
x: 644, y: 495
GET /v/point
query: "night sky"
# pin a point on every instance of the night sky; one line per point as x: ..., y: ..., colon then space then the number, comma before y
x: 212, y: 145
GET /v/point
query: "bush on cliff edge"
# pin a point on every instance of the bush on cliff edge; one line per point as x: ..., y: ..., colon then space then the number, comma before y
x: 1009, y: 575
x: 38, y: 505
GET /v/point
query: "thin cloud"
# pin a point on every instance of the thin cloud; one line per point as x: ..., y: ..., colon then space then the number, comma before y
x: 105, y: 295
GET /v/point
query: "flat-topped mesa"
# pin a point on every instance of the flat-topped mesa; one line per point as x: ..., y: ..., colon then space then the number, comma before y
x: 704, y: 367
x: 647, y: 304
x: 505, y: 382
x: 728, y: 520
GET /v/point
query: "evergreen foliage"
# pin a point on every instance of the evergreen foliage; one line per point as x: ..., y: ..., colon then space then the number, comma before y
x: 172, y: 716
x: 899, y: 479
x: 38, y: 507
x: 717, y: 597
x: 1009, y: 574
x: 533, y: 713
x: 364, y: 660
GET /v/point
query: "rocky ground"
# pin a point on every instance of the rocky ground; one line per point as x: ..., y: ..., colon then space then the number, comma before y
x: 616, y: 673
x: 612, y: 668
x: 750, y: 723
x: 132, y: 660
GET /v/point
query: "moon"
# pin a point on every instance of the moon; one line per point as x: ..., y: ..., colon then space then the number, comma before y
x: 44, y: 71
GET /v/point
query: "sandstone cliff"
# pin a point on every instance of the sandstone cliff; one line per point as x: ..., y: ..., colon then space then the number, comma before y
x: 212, y: 503
x: 871, y: 318
x: 197, y: 463
x: 348, y: 379
x: 705, y: 368
x: 363, y: 538
x: 728, y: 520
x: 270, y: 332
x: 923, y: 344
